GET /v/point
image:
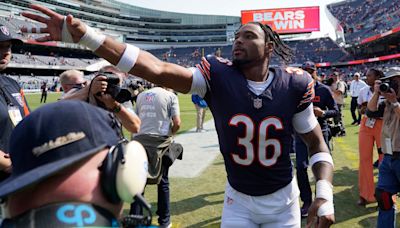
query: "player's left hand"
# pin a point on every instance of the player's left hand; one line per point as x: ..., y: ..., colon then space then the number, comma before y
x: 313, y: 220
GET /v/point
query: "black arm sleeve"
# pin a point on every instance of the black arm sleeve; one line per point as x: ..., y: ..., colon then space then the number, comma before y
x: 378, y: 113
x: 333, y: 109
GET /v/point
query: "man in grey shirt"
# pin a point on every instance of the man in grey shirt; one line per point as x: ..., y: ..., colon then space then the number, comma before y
x: 158, y: 109
x: 159, y: 112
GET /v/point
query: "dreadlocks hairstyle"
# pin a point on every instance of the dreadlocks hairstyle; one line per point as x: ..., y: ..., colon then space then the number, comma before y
x: 377, y: 72
x: 280, y: 48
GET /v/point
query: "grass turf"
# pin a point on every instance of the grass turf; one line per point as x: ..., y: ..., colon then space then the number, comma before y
x: 197, y: 202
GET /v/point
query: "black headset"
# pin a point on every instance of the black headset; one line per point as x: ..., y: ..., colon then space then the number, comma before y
x: 109, y: 168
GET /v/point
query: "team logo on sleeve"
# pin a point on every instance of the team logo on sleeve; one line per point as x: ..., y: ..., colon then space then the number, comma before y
x: 18, y: 97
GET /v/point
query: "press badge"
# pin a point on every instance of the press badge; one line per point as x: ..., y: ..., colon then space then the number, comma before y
x: 15, y: 114
x: 370, y: 122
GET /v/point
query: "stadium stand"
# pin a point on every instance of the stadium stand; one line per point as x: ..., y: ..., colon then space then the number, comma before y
x: 185, y: 38
x: 361, y: 19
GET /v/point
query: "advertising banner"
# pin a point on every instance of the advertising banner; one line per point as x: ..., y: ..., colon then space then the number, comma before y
x: 286, y: 20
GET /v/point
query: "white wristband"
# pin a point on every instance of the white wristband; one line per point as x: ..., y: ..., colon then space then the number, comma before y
x: 92, y: 39
x: 321, y: 156
x: 128, y: 59
x: 65, y: 34
x: 324, y: 190
x: 326, y: 209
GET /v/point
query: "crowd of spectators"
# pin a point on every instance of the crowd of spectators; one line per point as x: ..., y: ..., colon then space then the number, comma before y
x: 364, y: 18
x: 317, y: 50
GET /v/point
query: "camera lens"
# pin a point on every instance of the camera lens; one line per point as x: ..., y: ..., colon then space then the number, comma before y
x: 384, y: 87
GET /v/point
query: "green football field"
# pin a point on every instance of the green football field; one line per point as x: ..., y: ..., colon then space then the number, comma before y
x: 197, y: 202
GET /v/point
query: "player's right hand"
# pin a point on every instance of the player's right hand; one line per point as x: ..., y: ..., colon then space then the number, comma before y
x: 313, y: 220
x: 54, y: 24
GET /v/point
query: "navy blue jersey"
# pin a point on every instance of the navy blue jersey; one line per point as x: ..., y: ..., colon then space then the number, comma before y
x: 324, y: 100
x: 10, y: 95
x: 254, y: 132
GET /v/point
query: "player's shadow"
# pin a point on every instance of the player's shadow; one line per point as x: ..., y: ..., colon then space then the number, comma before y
x: 194, y: 203
x: 372, y: 221
x: 345, y: 177
x: 346, y: 207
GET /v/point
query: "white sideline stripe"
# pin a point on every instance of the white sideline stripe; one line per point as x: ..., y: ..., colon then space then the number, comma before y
x: 199, y: 151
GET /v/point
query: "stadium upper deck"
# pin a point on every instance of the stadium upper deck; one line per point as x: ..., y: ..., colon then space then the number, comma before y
x: 162, y: 30
x: 364, y: 18
x: 144, y: 27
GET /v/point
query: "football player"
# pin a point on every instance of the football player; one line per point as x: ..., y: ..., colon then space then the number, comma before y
x: 256, y: 109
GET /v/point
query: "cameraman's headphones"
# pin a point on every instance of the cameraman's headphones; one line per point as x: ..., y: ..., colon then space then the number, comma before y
x: 124, y: 172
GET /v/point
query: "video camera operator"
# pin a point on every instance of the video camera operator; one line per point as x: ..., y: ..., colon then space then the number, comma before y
x: 389, y: 170
x: 73, y: 172
x: 338, y: 88
x: 102, y: 93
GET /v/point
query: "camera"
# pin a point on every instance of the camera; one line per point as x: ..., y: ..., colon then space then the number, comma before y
x: 384, y: 87
x: 118, y: 93
x: 328, y: 81
x: 387, y: 85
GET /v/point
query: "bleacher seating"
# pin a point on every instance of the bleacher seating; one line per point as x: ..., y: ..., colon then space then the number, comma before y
x: 364, y: 18
x: 317, y: 50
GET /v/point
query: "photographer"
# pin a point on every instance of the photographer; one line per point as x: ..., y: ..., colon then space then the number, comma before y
x: 97, y: 93
x: 369, y: 132
x: 72, y: 81
x: 388, y: 182
x: 70, y: 173
x: 324, y: 107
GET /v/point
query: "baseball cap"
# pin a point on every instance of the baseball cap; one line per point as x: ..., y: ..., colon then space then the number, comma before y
x: 54, y: 137
x: 5, y: 35
x: 392, y: 72
x: 309, y: 65
x: 357, y: 74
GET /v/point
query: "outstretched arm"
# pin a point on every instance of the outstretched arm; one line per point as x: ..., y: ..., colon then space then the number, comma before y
x: 147, y: 66
x: 322, y: 206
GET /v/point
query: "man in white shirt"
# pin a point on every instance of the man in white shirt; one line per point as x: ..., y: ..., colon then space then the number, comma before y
x: 355, y: 88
